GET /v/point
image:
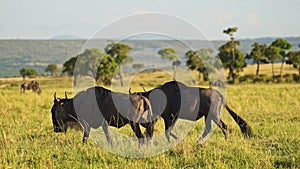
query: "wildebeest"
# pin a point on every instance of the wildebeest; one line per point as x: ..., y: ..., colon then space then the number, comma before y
x: 176, y: 100
x: 33, y: 85
x: 97, y: 107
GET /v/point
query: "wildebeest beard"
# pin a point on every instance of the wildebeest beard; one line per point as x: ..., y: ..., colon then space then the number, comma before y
x: 62, y: 114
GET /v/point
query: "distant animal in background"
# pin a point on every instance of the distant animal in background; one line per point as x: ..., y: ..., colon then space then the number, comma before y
x: 33, y: 85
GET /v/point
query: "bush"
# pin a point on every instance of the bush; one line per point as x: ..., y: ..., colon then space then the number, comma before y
x: 247, y: 78
x: 296, y: 78
x: 260, y: 79
x: 289, y: 78
x: 14, y: 84
x: 251, y: 78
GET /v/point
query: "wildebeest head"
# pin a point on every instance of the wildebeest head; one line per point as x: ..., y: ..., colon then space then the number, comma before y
x: 59, y: 114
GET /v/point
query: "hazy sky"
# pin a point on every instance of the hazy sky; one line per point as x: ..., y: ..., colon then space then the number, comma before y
x: 41, y: 19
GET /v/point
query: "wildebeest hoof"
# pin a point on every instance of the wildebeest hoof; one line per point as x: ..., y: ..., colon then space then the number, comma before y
x: 174, y: 136
x: 142, y: 141
x: 84, y: 140
x: 110, y: 143
x: 200, y: 144
x: 149, y: 142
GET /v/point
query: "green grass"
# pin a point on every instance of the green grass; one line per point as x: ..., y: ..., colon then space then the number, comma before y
x: 27, y: 139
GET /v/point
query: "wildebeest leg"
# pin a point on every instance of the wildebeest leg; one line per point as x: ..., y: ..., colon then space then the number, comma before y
x: 172, y: 134
x: 86, y: 129
x: 136, y: 128
x: 207, y: 130
x: 149, y: 131
x: 223, y: 127
x: 105, y: 129
x: 208, y: 119
x: 86, y: 134
x: 213, y: 115
x: 169, y: 124
x: 168, y: 128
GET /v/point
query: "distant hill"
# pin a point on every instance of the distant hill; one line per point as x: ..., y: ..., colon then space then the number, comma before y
x: 246, y: 43
x: 16, y: 54
x: 65, y: 37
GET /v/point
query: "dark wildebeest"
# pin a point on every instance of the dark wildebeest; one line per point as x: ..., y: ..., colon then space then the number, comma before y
x: 33, y: 85
x: 175, y: 100
x: 97, y: 107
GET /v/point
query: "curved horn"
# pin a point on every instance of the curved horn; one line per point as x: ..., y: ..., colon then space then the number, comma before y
x: 144, y: 89
x: 129, y: 90
x: 66, y: 95
x: 55, y: 99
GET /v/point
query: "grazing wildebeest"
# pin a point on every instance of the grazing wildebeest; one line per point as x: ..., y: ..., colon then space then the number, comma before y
x: 33, y: 85
x: 176, y: 100
x: 97, y: 107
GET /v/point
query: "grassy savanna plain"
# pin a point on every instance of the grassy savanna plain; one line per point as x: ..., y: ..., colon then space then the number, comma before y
x: 27, y: 139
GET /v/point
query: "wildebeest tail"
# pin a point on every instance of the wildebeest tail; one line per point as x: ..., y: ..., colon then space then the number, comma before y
x: 245, y: 128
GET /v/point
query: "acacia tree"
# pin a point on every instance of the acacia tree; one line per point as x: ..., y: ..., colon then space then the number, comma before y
x: 106, y: 70
x: 170, y: 54
x: 283, y: 45
x: 258, y: 55
x: 92, y: 63
x: 23, y: 73
x: 68, y: 66
x: 294, y: 59
x: 88, y: 62
x: 231, y: 56
x: 119, y: 52
x: 200, y: 60
x: 30, y: 72
x: 52, y: 68
x: 273, y: 54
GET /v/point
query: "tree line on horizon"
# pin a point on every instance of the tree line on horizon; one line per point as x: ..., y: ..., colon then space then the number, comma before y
x: 102, y: 66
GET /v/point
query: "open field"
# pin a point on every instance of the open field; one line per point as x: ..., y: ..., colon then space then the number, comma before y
x: 27, y: 139
x: 266, y: 69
